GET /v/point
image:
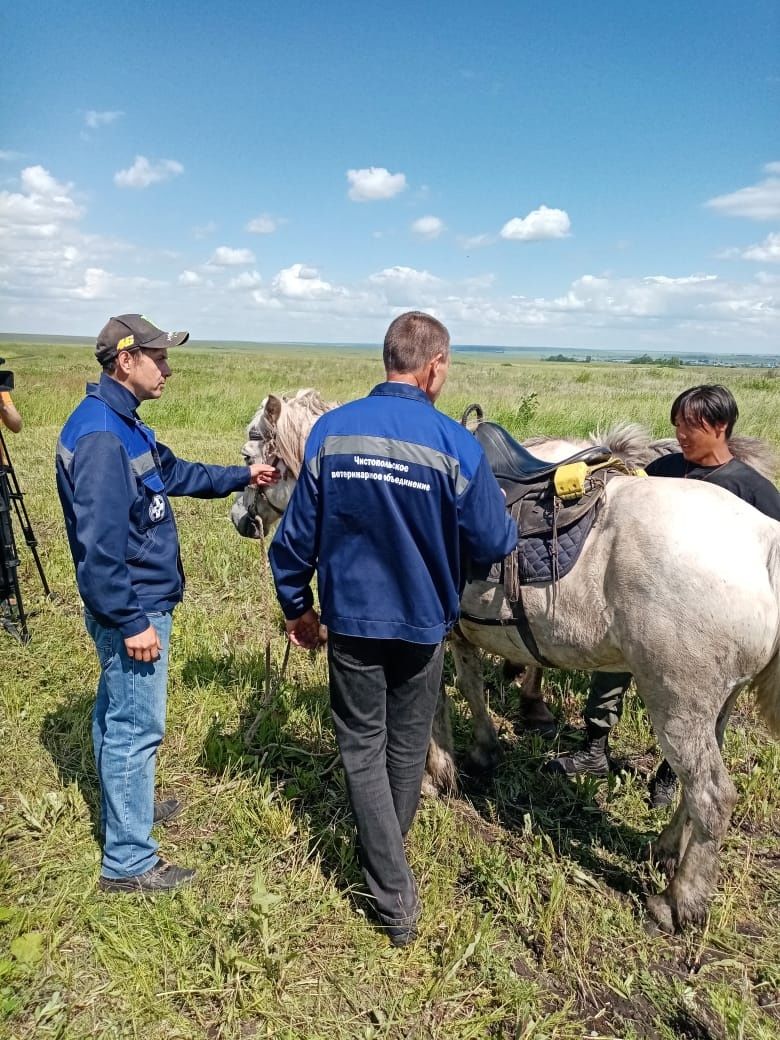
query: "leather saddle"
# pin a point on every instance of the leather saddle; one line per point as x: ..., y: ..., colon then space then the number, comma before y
x: 513, y: 464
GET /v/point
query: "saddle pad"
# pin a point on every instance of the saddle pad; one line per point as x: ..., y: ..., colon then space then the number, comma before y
x: 550, y: 533
x: 543, y: 558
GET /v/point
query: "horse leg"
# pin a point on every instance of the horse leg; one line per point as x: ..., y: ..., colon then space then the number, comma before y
x: 709, y: 797
x: 486, y: 751
x: 669, y: 847
x: 535, y: 716
x: 440, y: 776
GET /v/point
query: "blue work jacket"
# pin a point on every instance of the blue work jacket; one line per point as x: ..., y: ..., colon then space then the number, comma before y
x: 393, y: 498
x: 114, y: 479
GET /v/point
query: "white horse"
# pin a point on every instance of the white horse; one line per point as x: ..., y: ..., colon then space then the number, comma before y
x: 678, y: 583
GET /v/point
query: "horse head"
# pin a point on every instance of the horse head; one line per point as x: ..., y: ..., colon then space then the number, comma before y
x: 276, y: 435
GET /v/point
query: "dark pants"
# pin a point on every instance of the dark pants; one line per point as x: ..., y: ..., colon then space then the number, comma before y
x: 604, y: 705
x: 383, y: 696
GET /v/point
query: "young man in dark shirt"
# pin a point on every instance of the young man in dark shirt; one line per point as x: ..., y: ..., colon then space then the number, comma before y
x: 703, y: 418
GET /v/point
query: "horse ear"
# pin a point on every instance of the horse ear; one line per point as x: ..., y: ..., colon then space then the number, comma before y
x: 273, y: 408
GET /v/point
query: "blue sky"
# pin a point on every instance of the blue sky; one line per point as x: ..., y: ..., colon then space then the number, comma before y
x: 553, y: 174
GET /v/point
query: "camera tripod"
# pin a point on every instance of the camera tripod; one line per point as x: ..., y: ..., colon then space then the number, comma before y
x: 12, y: 614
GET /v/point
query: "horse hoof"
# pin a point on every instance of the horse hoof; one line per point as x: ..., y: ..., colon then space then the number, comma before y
x: 483, y: 762
x: 539, y: 728
x: 661, y: 913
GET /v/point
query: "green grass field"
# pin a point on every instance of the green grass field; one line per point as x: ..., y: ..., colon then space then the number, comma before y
x: 533, y: 925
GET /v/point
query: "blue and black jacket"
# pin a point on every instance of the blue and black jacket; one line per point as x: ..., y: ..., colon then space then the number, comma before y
x: 392, y: 499
x: 114, y: 480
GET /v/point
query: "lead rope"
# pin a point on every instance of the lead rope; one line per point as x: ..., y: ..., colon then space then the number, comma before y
x: 266, y: 701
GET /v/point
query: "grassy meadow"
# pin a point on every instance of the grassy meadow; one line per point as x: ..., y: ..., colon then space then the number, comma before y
x: 532, y: 925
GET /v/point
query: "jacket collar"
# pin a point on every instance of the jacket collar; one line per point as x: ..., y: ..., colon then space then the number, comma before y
x: 393, y: 389
x: 116, y: 396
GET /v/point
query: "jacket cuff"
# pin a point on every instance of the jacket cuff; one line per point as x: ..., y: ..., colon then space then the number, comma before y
x: 293, y: 609
x: 132, y: 628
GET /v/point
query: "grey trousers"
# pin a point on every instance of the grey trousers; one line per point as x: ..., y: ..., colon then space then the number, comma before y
x: 383, y: 695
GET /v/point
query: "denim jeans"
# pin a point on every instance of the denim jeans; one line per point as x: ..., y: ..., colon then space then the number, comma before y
x: 128, y: 724
x: 383, y: 696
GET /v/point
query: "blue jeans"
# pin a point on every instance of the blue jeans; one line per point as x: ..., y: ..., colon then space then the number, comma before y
x: 128, y: 725
x: 383, y: 695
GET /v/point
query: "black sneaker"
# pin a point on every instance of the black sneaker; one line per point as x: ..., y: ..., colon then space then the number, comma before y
x: 163, y: 877
x: 663, y: 786
x: 400, y: 934
x: 588, y: 761
x: 167, y: 810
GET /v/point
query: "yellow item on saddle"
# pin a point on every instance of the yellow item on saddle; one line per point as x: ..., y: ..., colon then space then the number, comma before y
x: 569, y: 479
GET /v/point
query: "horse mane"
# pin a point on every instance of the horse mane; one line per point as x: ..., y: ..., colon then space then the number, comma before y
x: 287, y: 435
x: 299, y: 413
x: 630, y: 441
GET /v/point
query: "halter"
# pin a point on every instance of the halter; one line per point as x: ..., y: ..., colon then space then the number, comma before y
x: 272, y: 458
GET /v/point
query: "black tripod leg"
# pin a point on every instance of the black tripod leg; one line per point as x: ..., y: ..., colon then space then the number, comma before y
x: 12, y: 615
x: 13, y: 493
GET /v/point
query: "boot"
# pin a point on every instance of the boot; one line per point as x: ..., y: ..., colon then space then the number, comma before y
x: 590, y: 760
x: 663, y: 786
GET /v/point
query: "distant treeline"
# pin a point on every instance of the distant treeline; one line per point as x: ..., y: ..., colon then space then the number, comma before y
x: 662, y: 362
x: 644, y: 359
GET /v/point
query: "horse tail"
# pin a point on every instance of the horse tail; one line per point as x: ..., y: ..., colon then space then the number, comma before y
x: 767, y: 683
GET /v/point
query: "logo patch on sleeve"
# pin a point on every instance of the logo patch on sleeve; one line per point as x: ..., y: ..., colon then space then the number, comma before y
x: 157, y: 508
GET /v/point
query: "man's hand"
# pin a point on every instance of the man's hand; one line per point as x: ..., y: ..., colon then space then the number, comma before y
x: 145, y: 646
x: 305, y: 630
x: 261, y: 474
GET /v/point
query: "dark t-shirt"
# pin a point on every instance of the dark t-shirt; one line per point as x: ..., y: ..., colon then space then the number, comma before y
x: 735, y: 476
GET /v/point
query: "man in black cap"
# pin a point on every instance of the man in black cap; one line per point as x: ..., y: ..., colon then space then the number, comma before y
x: 114, y: 481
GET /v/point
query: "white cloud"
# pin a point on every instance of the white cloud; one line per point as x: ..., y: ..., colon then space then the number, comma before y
x: 373, y: 183
x: 190, y: 278
x: 400, y: 275
x: 300, y: 282
x: 40, y: 208
x: 428, y: 227
x: 94, y: 119
x: 99, y: 284
x: 246, y: 280
x: 476, y: 241
x: 96, y: 285
x: 407, y: 287
x: 767, y: 251
x: 224, y: 256
x: 757, y: 202
x: 540, y: 224
x: 144, y: 172
x: 265, y: 224
x: 9, y: 156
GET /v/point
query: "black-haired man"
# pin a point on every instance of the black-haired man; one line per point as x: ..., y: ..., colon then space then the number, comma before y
x: 703, y: 418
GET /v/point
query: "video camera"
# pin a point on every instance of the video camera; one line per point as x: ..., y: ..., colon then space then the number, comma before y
x: 6, y: 377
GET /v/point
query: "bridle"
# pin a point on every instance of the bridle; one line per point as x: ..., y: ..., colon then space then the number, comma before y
x: 273, y: 458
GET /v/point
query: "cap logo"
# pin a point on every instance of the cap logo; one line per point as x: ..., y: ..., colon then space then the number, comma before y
x: 125, y: 343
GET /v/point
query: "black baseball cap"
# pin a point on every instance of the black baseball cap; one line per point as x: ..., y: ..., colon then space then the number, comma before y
x: 133, y: 332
